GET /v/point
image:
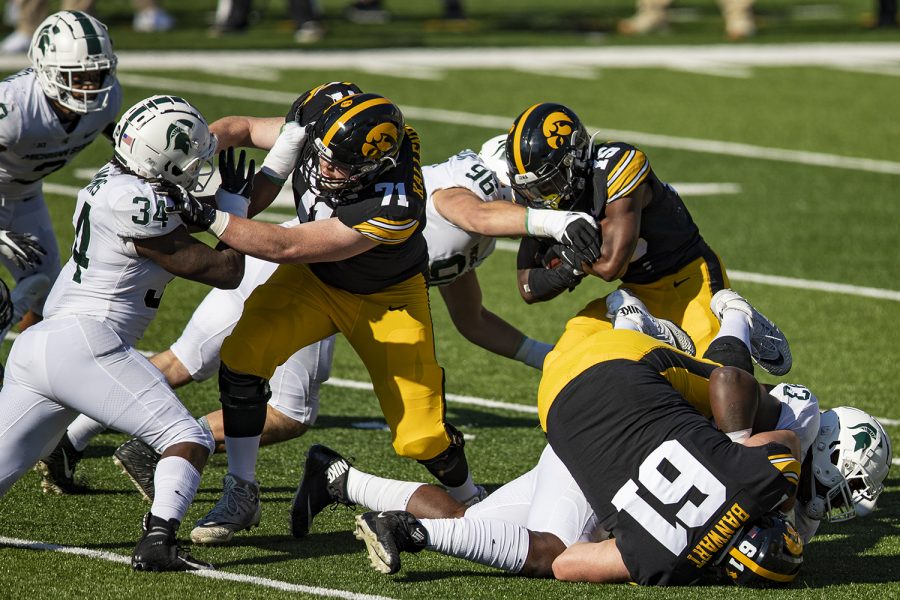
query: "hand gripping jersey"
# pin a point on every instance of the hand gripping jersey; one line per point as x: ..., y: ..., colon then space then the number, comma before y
x: 669, y: 486
x: 35, y: 141
x: 105, y: 277
x: 452, y: 251
x: 669, y: 239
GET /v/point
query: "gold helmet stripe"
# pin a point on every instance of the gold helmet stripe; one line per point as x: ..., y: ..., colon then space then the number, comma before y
x: 761, y: 571
x: 517, y: 147
x: 326, y: 139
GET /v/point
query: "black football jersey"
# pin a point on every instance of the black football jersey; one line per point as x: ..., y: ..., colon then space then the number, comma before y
x: 671, y: 240
x: 671, y: 488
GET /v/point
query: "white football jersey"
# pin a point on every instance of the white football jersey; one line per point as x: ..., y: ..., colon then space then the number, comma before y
x: 800, y: 414
x: 453, y: 251
x: 106, y: 278
x: 35, y: 141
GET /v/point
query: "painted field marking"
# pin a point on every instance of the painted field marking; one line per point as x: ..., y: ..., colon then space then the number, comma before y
x: 500, y: 124
x: 275, y: 584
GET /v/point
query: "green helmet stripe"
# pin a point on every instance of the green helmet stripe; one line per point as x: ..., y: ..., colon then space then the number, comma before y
x: 91, y: 35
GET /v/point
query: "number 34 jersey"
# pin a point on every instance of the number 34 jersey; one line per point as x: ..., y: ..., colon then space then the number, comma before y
x: 35, y: 141
x: 453, y: 251
x: 105, y: 278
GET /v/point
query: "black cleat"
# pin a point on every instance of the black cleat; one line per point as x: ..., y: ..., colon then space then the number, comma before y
x: 138, y: 461
x: 387, y: 534
x: 324, y: 482
x: 58, y: 469
x: 158, y: 551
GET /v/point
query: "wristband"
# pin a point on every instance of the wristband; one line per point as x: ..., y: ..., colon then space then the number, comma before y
x: 217, y: 227
x: 232, y: 203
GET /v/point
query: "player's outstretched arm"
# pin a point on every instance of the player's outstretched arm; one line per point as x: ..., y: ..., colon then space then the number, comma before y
x: 246, y: 132
x: 182, y: 255
x: 593, y: 562
x: 475, y: 322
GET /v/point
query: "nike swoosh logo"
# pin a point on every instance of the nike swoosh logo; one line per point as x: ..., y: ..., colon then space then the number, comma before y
x: 401, y: 307
x: 67, y: 470
x: 677, y: 283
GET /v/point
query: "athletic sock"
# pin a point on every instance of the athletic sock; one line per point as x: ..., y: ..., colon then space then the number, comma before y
x: 378, y: 493
x: 490, y: 542
x: 82, y: 430
x: 242, y: 453
x: 465, y: 492
x: 175, y: 484
x: 736, y: 324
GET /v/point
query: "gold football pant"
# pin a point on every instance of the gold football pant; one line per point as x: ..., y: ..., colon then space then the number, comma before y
x: 390, y: 330
x: 682, y: 298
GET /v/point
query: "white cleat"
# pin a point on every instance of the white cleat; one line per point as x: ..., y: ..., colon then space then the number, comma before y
x: 768, y: 346
x: 622, y: 304
x: 239, y: 508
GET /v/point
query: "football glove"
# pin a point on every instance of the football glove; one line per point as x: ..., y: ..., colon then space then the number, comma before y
x: 235, y: 179
x: 193, y: 212
x: 575, y: 229
x: 23, y: 249
x: 282, y: 158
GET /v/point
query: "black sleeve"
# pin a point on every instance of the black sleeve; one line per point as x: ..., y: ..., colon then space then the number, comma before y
x: 545, y: 284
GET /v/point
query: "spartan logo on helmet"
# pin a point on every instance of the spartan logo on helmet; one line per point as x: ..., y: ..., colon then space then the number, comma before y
x: 863, y: 439
x: 44, y: 37
x: 177, y: 138
x: 558, y: 128
x: 380, y: 140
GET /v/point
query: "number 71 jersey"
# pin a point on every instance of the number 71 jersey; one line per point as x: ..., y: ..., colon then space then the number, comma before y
x: 105, y: 277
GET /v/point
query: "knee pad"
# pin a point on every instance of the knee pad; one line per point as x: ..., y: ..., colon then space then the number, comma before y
x: 243, y: 399
x: 450, y: 467
x: 730, y: 351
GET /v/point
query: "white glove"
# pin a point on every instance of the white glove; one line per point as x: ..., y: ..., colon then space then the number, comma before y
x: 577, y: 230
x: 23, y: 249
x: 282, y: 158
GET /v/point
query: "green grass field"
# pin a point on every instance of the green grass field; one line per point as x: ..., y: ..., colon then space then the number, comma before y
x: 785, y: 216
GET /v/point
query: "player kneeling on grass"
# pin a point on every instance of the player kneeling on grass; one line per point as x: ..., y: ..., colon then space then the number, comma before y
x: 128, y: 246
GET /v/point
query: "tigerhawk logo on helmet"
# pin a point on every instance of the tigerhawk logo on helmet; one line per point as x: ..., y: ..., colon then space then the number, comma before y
x: 558, y: 127
x: 380, y: 140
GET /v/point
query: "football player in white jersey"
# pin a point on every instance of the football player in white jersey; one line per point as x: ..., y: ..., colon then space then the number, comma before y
x: 48, y: 114
x: 128, y: 246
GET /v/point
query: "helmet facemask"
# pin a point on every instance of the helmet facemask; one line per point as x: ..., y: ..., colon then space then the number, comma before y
x: 73, y: 58
x: 336, y: 179
x: 850, y: 461
x: 552, y: 185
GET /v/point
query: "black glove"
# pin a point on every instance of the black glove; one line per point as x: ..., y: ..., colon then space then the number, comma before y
x: 567, y: 256
x: 235, y: 179
x: 584, y: 238
x: 23, y: 249
x: 193, y: 212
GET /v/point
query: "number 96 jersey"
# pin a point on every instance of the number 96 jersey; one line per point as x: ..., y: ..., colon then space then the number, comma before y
x: 106, y: 278
x: 452, y: 251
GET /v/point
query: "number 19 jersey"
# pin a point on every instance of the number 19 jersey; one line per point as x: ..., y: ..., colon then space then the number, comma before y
x: 105, y: 277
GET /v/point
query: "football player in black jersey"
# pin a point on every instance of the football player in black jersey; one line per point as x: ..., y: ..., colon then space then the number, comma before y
x: 649, y: 240
x: 356, y: 265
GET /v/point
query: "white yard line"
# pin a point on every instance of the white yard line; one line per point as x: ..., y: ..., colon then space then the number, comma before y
x: 275, y: 584
x: 501, y: 123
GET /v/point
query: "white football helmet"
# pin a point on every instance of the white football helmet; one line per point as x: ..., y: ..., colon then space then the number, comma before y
x: 166, y: 138
x: 493, y: 155
x: 851, y: 458
x: 68, y: 46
